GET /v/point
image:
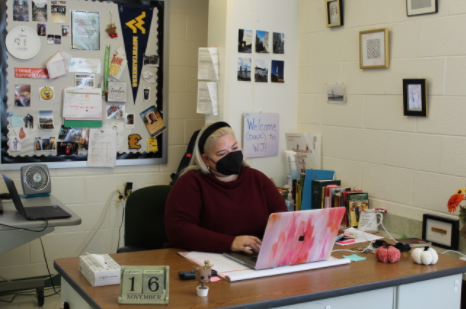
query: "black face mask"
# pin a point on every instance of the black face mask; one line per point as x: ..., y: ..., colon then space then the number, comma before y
x: 230, y: 164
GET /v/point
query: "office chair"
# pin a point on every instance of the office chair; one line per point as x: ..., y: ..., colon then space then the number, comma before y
x: 144, y: 219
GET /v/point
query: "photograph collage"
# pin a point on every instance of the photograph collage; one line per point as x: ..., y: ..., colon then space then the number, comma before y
x: 264, y: 42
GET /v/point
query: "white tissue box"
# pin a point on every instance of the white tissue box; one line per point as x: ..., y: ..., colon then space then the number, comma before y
x: 97, y: 275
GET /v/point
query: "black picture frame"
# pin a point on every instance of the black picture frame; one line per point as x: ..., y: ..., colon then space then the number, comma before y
x: 336, y: 5
x: 415, y: 8
x: 415, y: 97
x: 444, y: 235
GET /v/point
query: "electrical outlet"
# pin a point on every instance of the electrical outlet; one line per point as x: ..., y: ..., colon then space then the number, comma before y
x: 120, y: 192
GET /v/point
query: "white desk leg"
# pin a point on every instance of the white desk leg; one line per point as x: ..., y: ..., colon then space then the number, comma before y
x: 11, y: 239
x: 69, y: 295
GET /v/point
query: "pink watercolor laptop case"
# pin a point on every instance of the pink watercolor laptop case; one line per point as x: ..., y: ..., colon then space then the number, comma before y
x: 299, y: 237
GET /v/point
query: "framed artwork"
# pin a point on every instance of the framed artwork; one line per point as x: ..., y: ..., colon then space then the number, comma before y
x: 421, y: 7
x: 415, y: 97
x: 374, y: 49
x: 442, y: 232
x: 334, y: 13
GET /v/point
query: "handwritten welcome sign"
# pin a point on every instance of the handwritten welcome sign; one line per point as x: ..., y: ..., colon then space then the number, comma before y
x: 261, y: 132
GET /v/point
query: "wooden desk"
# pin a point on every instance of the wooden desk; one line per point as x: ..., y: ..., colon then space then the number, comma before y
x: 362, y: 282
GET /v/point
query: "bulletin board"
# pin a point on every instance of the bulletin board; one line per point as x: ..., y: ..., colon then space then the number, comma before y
x: 133, y: 147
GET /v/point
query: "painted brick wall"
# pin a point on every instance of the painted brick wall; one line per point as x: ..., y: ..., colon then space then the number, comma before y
x: 409, y: 165
x: 88, y: 191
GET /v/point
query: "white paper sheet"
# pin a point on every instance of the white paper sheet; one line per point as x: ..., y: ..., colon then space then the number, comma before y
x: 82, y: 103
x: 58, y: 65
x: 84, y: 65
x: 213, y: 96
x: 233, y: 271
x: 208, y: 63
x: 122, y: 134
x: 102, y: 148
x: 207, y: 98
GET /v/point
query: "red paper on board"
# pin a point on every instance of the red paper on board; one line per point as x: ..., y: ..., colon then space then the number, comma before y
x: 31, y: 73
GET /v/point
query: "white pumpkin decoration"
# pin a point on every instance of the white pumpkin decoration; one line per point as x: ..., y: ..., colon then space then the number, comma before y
x: 426, y: 255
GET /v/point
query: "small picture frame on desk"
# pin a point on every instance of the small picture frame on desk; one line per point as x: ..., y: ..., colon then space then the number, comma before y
x: 415, y: 97
x: 421, y: 7
x: 334, y: 13
x: 442, y: 232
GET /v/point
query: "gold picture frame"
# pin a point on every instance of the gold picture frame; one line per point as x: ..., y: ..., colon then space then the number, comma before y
x: 334, y: 9
x: 374, y: 49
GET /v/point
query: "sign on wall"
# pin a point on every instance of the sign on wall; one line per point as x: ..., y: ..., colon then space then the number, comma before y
x: 261, y: 135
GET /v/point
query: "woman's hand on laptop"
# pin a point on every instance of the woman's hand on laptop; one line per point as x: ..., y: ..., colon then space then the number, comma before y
x: 245, y: 243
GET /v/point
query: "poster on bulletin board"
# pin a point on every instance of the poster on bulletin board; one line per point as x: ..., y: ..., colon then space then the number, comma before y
x: 261, y: 135
x: 98, y: 52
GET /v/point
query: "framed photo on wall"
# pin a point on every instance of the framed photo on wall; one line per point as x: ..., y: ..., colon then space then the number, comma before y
x: 334, y: 13
x: 442, y: 232
x: 374, y: 49
x: 415, y: 97
x: 421, y: 7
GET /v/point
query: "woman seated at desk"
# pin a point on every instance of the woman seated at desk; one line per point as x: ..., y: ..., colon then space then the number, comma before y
x: 219, y: 203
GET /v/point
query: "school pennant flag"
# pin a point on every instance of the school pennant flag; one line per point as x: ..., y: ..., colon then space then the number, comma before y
x: 135, y: 27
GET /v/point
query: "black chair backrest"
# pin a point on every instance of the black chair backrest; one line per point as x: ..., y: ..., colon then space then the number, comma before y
x: 145, y: 217
x: 186, y: 158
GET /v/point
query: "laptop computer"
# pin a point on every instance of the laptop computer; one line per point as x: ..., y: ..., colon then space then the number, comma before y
x: 34, y: 213
x: 296, y: 237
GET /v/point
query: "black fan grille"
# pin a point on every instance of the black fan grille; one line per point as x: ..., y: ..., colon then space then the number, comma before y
x: 30, y: 178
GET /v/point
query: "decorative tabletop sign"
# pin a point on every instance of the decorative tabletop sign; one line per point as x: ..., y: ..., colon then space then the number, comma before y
x: 144, y: 285
x: 22, y: 42
x: 117, y: 92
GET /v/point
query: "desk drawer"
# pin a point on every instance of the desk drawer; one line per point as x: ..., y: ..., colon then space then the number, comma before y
x: 365, y: 300
x: 442, y: 292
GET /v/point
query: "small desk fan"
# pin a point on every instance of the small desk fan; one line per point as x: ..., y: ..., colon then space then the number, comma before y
x: 35, y: 179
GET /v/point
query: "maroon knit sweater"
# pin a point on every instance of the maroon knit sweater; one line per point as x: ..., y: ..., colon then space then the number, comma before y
x: 206, y: 214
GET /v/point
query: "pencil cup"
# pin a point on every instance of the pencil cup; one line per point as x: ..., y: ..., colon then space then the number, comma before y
x: 202, y: 292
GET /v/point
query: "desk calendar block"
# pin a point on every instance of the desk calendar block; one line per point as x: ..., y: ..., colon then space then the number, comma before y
x: 153, y: 282
x: 144, y: 285
x: 133, y: 282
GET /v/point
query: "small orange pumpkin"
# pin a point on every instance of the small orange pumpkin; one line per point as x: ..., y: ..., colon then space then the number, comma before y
x: 387, y: 254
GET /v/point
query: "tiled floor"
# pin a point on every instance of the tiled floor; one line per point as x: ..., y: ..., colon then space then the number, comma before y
x: 52, y: 302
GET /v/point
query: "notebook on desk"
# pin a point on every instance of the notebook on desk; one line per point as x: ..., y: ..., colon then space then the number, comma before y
x: 293, y: 238
x: 34, y: 213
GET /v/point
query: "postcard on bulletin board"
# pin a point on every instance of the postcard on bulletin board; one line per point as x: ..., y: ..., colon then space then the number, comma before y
x: 261, y: 135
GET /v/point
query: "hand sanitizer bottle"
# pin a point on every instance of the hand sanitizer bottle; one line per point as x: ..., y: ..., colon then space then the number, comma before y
x: 289, y: 201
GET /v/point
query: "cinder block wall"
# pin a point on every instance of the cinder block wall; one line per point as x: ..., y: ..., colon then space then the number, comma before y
x: 88, y: 191
x: 409, y: 165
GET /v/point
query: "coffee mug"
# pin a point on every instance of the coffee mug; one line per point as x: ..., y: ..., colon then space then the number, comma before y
x: 368, y: 220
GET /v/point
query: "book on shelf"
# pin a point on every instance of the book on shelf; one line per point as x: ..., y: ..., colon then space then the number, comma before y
x: 414, y: 242
x: 326, y: 202
x: 357, y: 202
x: 318, y: 191
x: 336, y: 196
x: 308, y: 149
x: 310, y: 175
